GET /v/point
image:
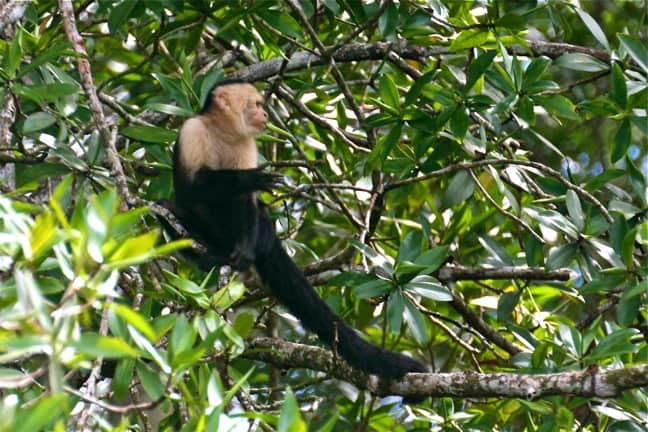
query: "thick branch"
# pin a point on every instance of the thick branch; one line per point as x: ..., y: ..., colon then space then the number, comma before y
x: 108, y: 134
x: 380, y: 50
x: 591, y: 382
x: 456, y: 273
x: 11, y: 13
x: 482, y: 327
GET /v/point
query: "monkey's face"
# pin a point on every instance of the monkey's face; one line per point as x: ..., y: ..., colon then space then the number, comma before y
x: 255, y: 116
x: 241, y: 108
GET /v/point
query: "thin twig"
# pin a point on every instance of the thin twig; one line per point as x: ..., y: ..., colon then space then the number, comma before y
x: 474, y: 164
x: 506, y: 213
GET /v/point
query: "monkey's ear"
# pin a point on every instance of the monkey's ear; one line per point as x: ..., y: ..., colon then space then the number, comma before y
x: 222, y: 98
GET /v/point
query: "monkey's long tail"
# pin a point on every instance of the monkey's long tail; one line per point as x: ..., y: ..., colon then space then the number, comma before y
x: 292, y: 289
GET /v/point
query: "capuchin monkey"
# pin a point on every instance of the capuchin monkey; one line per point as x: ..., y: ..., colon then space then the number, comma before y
x: 217, y: 182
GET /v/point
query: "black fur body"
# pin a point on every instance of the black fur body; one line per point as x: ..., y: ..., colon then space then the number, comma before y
x: 221, y: 209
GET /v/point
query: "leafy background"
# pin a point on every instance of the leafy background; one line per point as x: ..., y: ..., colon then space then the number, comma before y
x: 424, y: 144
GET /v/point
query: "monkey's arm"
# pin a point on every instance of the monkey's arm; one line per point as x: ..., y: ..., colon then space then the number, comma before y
x: 231, y: 182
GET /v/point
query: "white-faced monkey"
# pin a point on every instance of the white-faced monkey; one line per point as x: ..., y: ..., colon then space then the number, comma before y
x: 216, y: 183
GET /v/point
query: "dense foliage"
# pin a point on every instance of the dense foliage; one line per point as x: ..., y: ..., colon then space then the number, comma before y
x: 466, y: 181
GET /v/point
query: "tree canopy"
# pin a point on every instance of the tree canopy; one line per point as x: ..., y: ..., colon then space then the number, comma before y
x: 465, y: 182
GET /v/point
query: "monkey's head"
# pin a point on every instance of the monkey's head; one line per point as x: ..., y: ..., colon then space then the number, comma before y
x: 239, y: 107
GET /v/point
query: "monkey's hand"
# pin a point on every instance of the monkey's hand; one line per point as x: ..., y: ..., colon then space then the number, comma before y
x: 236, y: 181
x: 269, y: 180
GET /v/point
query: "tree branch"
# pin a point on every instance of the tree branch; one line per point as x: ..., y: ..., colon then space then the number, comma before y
x: 590, y: 382
x: 379, y: 50
x: 473, y: 164
x: 451, y: 273
x: 108, y: 134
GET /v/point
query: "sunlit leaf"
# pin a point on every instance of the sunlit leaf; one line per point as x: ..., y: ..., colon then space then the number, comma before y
x: 38, y: 121
x: 636, y: 49
x: 429, y: 287
x: 133, y: 318
x: 95, y: 345
x: 290, y: 418
x: 395, y: 308
x: 581, y: 62
x: 593, y: 27
x: 415, y: 323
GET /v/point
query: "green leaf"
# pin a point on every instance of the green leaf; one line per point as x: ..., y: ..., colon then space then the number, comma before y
x: 433, y: 258
x: 459, y: 123
x: 525, y: 109
x: 119, y: 14
x: 375, y: 258
x: 150, y: 380
x: 581, y: 62
x: 152, y: 134
x: 535, y: 70
x: 506, y: 305
x: 542, y: 86
x: 477, y: 69
x: 374, y: 288
x: 460, y: 189
x: 95, y: 345
x: 410, y: 247
x: 183, y: 337
x: 244, y: 324
x: 575, y: 210
x: 614, y: 344
x: 628, y: 309
x: 594, y: 28
x: 533, y: 251
x: 169, y: 109
x: 125, y: 221
x: 134, y: 250
x: 603, y: 283
x: 558, y: 105
x: 136, y: 320
x: 602, y: 250
x: 496, y: 251
x: 621, y: 141
x: 122, y: 378
x: 290, y: 418
x: 386, y: 145
x: 41, y: 414
x: 226, y: 296
x: 571, y: 339
x: 554, y: 220
x: 418, y: 86
x: 564, y: 418
x: 173, y: 90
x: 511, y: 21
x: 388, y: 92
x: 388, y: 20
x: 641, y: 123
x: 395, y: 308
x: 638, y: 181
x: 619, y: 91
x: 428, y: 287
x: 46, y: 56
x: 416, y: 323
x: 43, y: 94
x: 12, y: 60
x: 285, y: 23
x: 469, y: 39
x: 636, y: 50
x: 562, y: 256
